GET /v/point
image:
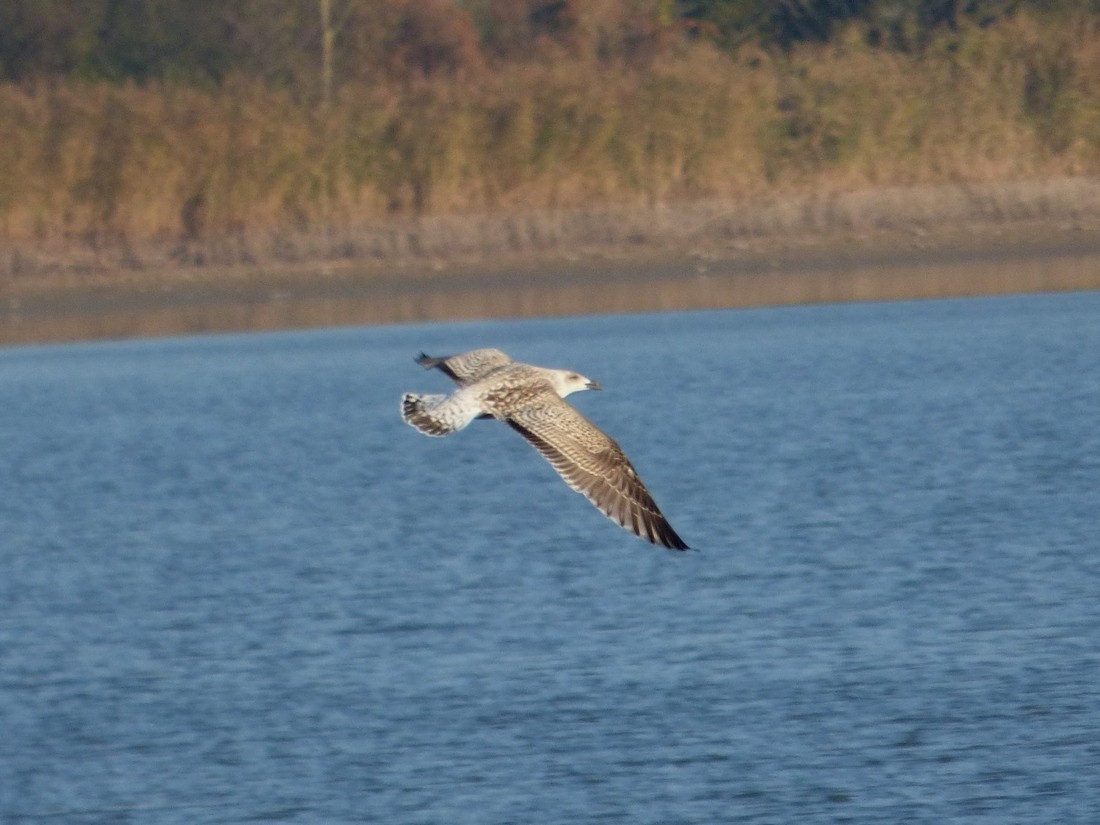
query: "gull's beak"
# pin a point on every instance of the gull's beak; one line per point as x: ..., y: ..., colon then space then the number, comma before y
x: 593, y: 385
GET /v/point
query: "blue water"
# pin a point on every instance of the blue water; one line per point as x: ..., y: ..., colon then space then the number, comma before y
x: 234, y: 587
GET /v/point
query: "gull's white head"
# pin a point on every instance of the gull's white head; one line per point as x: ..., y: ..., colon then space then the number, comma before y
x: 567, y: 381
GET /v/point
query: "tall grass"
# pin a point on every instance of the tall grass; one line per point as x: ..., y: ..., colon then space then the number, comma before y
x: 102, y: 175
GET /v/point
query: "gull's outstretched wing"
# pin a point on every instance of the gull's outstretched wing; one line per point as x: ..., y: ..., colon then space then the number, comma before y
x: 593, y: 465
x: 467, y: 367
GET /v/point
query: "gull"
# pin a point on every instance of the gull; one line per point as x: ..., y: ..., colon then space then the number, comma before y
x: 530, y: 400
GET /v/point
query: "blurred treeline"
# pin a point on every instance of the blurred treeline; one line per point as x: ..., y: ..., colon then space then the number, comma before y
x: 183, y: 122
x: 204, y: 42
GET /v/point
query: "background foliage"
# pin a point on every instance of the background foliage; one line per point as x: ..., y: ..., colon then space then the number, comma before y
x: 204, y: 127
x: 203, y: 42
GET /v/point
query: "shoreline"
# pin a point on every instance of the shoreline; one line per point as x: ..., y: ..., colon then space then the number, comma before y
x: 885, y: 245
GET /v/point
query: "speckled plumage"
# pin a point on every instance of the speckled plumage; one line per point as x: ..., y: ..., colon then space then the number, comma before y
x: 530, y: 400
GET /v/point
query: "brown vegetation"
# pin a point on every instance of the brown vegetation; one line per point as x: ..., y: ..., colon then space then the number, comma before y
x: 159, y: 174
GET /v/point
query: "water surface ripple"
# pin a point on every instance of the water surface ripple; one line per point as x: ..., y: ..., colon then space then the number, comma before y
x: 235, y: 587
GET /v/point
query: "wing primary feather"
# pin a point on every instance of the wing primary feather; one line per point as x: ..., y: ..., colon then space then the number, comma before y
x: 605, y: 477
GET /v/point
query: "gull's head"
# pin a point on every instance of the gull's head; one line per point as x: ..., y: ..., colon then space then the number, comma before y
x: 567, y: 381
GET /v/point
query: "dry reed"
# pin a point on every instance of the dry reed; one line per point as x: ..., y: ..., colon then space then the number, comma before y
x: 99, y: 176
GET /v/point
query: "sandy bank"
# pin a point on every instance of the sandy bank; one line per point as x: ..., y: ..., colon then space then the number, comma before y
x: 884, y: 244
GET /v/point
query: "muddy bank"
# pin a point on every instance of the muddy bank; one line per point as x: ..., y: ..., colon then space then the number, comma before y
x: 889, y: 245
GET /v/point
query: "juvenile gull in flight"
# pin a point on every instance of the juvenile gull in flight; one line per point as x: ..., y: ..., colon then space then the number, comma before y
x: 530, y: 400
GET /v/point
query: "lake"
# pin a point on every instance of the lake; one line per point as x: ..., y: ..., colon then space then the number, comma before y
x: 236, y: 587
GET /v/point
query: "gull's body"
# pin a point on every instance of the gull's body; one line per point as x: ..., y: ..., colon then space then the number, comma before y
x: 530, y: 400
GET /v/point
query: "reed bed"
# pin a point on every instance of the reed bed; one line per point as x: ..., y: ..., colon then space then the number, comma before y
x: 97, y: 176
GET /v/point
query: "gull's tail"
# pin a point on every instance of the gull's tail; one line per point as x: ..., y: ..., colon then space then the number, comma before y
x: 416, y: 411
x: 437, y: 414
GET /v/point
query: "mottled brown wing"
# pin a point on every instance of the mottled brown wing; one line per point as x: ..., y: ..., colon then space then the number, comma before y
x: 467, y: 367
x: 594, y: 465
